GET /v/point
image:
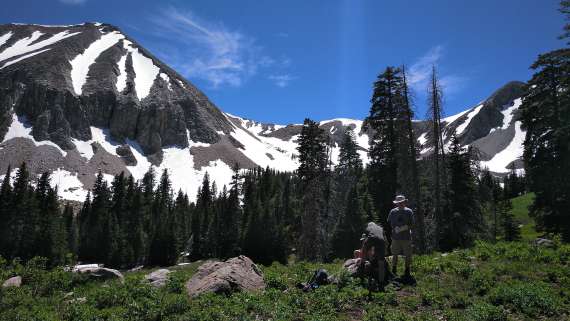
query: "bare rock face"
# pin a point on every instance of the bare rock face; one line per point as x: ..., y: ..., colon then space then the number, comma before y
x: 158, y: 278
x: 126, y: 155
x: 236, y: 274
x: 15, y: 281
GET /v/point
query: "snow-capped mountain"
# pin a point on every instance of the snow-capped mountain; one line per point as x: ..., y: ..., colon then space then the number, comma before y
x: 76, y: 99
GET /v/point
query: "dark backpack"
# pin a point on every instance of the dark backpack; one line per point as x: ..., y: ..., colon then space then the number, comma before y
x: 320, y: 277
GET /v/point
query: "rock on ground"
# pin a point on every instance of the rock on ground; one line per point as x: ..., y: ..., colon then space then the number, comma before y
x: 15, y: 281
x: 544, y: 242
x: 351, y: 266
x: 99, y: 273
x: 236, y: 274
x: 158, y: 278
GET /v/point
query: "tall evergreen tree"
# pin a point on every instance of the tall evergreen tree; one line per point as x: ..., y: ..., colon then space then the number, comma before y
x: 511, y: 230
x: 71, y: 229
x: 134, y: 224
x: 350, y: 226
x: 6, y: 214
x: 85, y: 249
x: 383, y: 152
x: 162, y: 250
x: 462, y: 219
x: 546, y: 119
x: 312, y: 148
x: 57, y: 238
x: 24, y: 229
x: 436, y: 143
x: 410, y: 177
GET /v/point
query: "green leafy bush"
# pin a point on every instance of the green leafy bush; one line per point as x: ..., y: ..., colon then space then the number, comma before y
x: 532, y: 299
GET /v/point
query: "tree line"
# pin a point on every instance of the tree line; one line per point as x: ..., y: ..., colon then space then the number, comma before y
x: 319, y: 211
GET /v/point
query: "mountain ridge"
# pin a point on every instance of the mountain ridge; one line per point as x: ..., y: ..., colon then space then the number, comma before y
x: 82, y: 98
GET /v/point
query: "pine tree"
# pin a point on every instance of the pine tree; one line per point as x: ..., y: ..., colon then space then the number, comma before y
x: 436, y: 143
x: 350, y: 226
x: 462, y: 219
x: 57, y: 238
x: 6, y: 214
x: 349, y: 162
x: 229, y: 242
x: 509, y: 225
x: 546, y: 118
x: 181, y: 216
x: 134, y: 224
x: 409, y: 177
x: 85, y: 249
x: 313, y: 160
x: 71, y: 229
x: 118, y: 249
x: 163, y: 241
x: 383, y: 152
x: 95, y: 237
x: 24, y: 232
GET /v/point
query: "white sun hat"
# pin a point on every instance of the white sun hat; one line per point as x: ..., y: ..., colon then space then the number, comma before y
x: 399, y: 199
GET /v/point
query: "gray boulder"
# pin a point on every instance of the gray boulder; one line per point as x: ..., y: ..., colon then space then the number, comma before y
x: 15, y: 281
x: 158, y: 278
x: 543, y: 242
x: 351, y: 267
x: 236, y: 274
x: 97, y: 272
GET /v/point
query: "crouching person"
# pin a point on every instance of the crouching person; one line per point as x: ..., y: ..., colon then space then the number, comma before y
x: 372, y: 256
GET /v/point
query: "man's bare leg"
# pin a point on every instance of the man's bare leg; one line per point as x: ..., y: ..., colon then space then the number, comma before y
x: 408, y: 263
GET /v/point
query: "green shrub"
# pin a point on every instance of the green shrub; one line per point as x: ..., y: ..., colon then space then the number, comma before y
x: 532, y: 299
x: 479, y: 312
x: 481, y: 281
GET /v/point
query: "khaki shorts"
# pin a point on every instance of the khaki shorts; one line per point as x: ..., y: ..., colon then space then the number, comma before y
x: 401, y: 247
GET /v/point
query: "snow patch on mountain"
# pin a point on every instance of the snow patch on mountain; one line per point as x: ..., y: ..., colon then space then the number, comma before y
x: 82, y: 62
x: 5, y: 38
x: 68, y: 185
x: 27, y: 45
x: 122, y: 77
x: 261, y: 150
x: 422, y: 139
x: 508, y: 113
x: 19, y: 128
x: 461, y: 128
x: 453, y: 118
x: 145, y: 70
x: 11, y: 62
x: 513, y: 151
x: 166, y: 79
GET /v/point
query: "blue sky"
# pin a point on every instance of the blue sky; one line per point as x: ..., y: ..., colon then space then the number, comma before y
x: 282, y: 61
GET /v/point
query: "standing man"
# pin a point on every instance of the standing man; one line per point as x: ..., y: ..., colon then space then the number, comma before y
x: 401, y: 220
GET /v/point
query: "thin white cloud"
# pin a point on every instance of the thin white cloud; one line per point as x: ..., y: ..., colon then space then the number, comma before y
x: 281, y: 81
x: 73, y: 2
x: 210, y: 51
x: 419, y: 73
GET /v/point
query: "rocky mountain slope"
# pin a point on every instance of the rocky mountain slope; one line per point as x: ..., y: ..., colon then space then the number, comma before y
x: 76, y: 99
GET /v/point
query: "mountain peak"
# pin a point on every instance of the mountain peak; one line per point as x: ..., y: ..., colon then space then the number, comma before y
x: 81, y: 98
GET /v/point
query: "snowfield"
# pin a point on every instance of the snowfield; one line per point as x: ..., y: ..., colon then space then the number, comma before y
x: 28, y: 47
x: 81, y: 63
x: 19, y: 128
x: 145, y: 70
x: 513, y: 151
x: 461, y: 128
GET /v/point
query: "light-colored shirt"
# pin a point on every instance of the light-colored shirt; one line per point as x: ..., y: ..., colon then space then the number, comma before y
x: 401, y: 221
